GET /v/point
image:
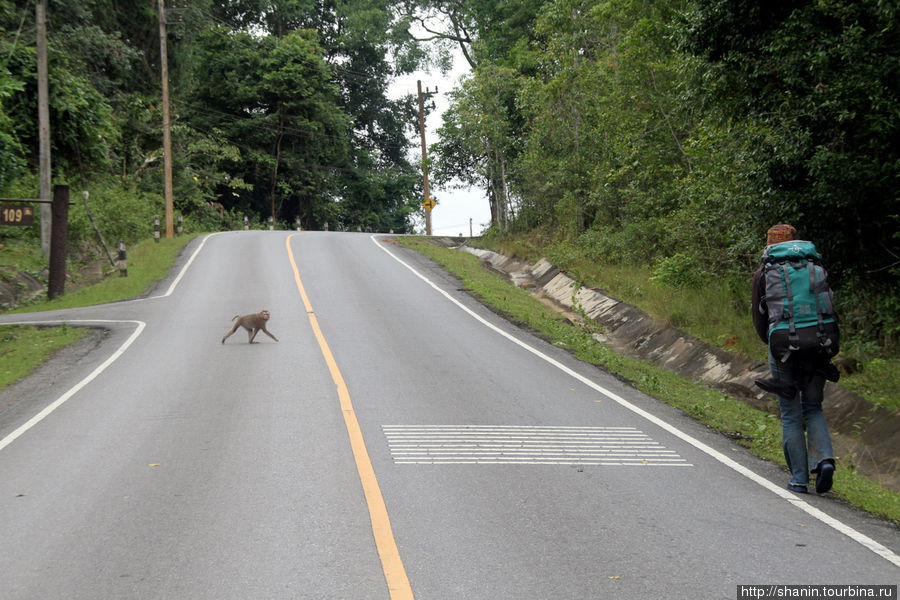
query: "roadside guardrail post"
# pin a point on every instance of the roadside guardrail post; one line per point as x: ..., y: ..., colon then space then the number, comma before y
x: 122, y: 263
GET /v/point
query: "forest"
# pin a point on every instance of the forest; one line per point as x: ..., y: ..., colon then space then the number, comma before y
x: 669, y: 133
x: 277, y: 109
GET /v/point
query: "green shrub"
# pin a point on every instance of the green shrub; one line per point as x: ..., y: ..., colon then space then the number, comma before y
x: 679, y: 270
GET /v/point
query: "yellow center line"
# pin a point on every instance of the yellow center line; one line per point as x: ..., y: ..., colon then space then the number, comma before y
x: 391, y: 563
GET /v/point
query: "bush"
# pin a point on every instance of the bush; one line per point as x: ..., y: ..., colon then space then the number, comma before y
x: 636, y: 243
x: 869, y: 314
x: 679, y: 270
x: 120, y: 212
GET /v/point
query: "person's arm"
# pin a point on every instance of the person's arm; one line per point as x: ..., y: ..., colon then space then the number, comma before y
x: 759, y: 309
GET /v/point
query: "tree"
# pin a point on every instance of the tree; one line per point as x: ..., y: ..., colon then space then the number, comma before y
x: 442, y: 25
x: 482, y: 30
x: 478, y: 143
x: 83, y: 126
x: 380, y: 190
x: 273, y: 99
x: 354, y: 38
x: 11, y: 151
x: 306, y: 103
x: 819, y: 83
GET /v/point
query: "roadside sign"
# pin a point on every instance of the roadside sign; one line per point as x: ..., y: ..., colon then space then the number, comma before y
x: 429, y: 203
x: 16, y: 214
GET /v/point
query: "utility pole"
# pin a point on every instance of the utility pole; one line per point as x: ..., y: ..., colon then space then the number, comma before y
x: 40, y: 13
x: 429, y: 203
x: 167, y: 133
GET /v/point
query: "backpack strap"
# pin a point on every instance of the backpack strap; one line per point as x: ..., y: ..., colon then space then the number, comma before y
x: 824, y: 340
x: 793, y: 338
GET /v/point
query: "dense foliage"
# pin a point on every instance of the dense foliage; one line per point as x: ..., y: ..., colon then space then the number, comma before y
x: 278, y: 108
x: 675, y: 132
x: 669, y: 133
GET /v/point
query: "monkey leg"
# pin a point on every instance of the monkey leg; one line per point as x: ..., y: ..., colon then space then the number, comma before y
x: 233, y: 329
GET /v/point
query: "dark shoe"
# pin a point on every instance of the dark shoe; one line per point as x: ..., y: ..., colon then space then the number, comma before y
x: 777, y: 387
x: 825, y: 477
x: 800, y: 489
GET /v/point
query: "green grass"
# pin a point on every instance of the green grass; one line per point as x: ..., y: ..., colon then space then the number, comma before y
x: 25, y: 259
x: 757, y: 430
x: 148, y: 262
x: 717, y: 314
x: 878, y: 382
x: 24, y: 348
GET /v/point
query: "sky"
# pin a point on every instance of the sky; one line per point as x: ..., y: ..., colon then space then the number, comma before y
x: 456, y: 207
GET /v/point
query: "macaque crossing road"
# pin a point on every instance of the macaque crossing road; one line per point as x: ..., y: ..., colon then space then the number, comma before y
x: 253, y: 324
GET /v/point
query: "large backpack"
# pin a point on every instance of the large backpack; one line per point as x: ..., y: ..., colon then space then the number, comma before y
x: 800, y: 302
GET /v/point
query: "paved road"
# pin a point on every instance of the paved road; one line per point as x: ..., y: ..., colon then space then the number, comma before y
x: 399, y: 441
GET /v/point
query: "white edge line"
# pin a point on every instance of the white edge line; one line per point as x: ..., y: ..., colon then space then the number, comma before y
x: 186, y: 266
x: 77, y: 387
x: 181, y: 273
x: 812, y: 511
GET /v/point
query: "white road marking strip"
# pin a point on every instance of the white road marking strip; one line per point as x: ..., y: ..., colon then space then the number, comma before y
x: 533, y: 457
x: 457, y: 461
x: 526, y: 446
x: 77, y: 387
x: 520, y: 461
x: 529, y: 452
x: 415, y: 444
x: 812, y: 511
x: 582, y: 439
x: 181, y: 273
x: 567, y: 428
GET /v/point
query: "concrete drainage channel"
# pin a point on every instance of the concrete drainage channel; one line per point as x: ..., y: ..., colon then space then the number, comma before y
x: 858, y: 428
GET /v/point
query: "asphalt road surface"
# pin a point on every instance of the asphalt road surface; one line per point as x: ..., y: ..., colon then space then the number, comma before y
x: 398, y: 441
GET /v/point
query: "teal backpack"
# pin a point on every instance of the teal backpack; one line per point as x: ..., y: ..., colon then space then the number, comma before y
x: 800, y: 302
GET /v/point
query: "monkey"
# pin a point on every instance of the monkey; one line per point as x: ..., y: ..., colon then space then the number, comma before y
x: 253, y: 324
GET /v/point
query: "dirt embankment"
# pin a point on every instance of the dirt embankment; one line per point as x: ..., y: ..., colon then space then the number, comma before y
x: 17, y: 287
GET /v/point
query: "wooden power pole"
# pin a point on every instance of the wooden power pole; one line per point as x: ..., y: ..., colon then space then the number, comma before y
x: 167, y: 133
x: 429, y: 203
x: 40, y: 13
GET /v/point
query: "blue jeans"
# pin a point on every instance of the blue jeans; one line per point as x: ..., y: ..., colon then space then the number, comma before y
x: 803, y: 453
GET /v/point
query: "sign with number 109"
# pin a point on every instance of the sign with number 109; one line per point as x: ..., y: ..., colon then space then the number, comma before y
x: 12, y: 214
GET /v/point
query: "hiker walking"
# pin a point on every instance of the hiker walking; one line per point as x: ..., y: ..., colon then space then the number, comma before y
x: 793, y: 313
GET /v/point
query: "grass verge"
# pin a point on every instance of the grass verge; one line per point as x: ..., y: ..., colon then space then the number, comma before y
x: 148, y: 262
x: 757, y: 430
x: 24, y: 348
